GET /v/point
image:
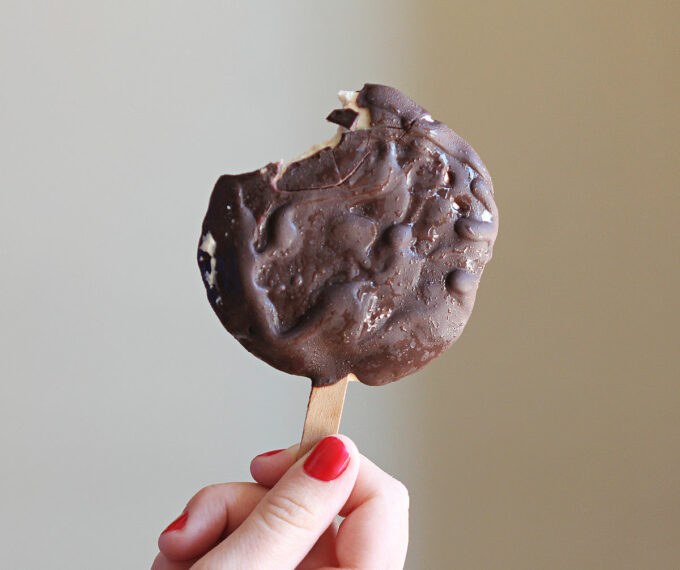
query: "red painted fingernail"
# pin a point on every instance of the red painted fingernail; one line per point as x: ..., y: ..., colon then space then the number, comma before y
x: 328, y: 460
x: 178, y: 523
x: 274, y: 452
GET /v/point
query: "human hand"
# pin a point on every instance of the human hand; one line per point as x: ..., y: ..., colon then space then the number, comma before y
x: 287, y: 519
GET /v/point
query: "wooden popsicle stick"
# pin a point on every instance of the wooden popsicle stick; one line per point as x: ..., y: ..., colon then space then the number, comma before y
x: 324, y: 411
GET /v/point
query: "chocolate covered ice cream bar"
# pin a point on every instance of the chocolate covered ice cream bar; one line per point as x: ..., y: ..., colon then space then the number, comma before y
x: 363, y: 255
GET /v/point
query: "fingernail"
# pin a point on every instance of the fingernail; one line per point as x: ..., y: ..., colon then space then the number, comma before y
x: 268, y: 453
x: 328, y: 460
x: 178, y: 523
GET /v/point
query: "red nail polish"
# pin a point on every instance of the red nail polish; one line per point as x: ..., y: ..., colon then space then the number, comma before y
x: 178, y: 523
x: 268, y: 453
x: 328, y: 460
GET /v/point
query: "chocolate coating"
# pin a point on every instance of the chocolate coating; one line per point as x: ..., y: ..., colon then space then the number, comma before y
x: 343, y: 117
x: 364, y: 257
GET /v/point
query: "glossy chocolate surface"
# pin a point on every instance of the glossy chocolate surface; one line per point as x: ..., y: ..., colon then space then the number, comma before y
x: 364, y: 257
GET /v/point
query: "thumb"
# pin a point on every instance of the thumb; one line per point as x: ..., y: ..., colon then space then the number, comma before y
x: 291, y: 517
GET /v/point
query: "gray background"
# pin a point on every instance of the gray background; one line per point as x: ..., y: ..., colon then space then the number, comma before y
x: 547, y: 437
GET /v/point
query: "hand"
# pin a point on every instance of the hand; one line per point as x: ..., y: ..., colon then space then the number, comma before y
x: 287, y: 519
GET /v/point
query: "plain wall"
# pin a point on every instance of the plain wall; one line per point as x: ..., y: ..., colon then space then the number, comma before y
x: 548, y: 436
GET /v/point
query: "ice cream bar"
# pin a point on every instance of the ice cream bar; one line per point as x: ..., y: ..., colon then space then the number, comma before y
x: 362, y: 256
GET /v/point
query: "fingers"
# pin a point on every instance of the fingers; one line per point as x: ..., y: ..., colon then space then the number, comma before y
x: 214, y: 511
x: 323, y: 552
x: 374, y: 534
x: 219, y: 509
x: 269, y: 467
x: 162, y: 563
x: 288, y: 521
x: 377, y: 507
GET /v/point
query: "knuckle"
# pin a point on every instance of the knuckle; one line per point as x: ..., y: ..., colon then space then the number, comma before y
x: 282, y: 513
x: 207, y: 493
x: 399, y: 494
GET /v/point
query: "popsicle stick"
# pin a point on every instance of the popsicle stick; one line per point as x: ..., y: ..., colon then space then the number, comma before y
x: 324, y: 411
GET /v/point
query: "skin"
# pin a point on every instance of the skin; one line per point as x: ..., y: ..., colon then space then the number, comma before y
x: 286, y: 520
